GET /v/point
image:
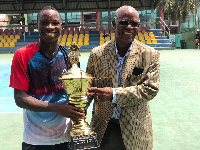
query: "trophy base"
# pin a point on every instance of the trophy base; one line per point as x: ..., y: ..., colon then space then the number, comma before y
x: 82, y: 128
x: 84, y: 142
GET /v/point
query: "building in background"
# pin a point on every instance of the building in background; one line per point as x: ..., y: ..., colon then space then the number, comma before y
x: 94, y: 20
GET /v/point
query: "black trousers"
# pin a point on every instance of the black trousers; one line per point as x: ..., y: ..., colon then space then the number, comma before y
x: 112, y: 139
x: 62, y: 146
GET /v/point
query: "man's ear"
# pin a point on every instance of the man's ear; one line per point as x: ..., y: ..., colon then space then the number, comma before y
x: 114, y: 24
x: 61, y: 28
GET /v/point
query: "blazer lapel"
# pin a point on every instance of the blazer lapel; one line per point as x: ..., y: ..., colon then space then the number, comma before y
x: 111, y: 61
x: 129, y: 62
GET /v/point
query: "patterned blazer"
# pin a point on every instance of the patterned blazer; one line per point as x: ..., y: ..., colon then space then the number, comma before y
x: 139, y: 84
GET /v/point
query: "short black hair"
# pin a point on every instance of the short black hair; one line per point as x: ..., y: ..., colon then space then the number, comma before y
x: 46, y: 8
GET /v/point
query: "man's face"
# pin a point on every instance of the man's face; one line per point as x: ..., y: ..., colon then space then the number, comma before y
x: 126, y: 26
x: 49, y: 26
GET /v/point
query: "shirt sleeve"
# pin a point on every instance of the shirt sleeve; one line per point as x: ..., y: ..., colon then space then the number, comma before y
x: 114, y: 100
x: 18, y: 77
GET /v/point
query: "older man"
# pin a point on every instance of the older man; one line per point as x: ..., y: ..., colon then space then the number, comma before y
x: 127, y: 78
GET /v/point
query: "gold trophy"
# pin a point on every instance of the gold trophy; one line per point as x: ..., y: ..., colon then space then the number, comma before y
x: 76, y: 83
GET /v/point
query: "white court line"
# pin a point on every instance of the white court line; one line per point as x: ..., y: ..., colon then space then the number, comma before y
x: 20, y: 112
x: 10, y: 112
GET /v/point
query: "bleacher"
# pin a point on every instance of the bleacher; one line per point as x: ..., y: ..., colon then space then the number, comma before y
x: 153, y: 37
x: 84, y: 37
x: 9, y: 38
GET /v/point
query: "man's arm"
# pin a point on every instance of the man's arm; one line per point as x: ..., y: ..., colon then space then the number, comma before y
x: 28, y: 102
x: 145, y: 90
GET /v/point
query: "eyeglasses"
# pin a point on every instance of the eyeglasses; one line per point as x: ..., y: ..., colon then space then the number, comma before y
x: 125, y: 23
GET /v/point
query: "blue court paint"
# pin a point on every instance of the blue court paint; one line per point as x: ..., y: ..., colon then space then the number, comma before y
x: 7, y: 102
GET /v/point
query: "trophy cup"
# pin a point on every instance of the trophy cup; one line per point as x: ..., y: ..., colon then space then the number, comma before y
x: 76, y: 83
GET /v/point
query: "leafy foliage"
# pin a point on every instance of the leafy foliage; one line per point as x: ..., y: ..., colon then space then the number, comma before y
x: 178, y: 9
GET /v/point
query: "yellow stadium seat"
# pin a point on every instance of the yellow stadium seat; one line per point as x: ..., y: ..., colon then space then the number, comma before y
x: 112, y: 34
x: 141, y: 37
x: 151, y: 34
x: 60, y: 36
x: 65, y: 36
x: 147, y: 38
x: 12, y: 36
x: 3, y: 40
x: 12, y: 44
x: 87, y: 35
x: 148, y: 42
x: 101, y: 34
x: 63, y: 40
x: 101, y: 42
x: 59, y: 40
x: 101, y: 38
x: 75, y: 35
x: 81, y: 35
x: 69, y: 39
x: 86, y: 43
x: 136, y: 37
x: 14, y: 40
x: 74, y: 39
x: 152, y: 37
x: 1, y: 44
x: 68, y: 43
x: 6, y: 37
x: 17, y: 36
x: 80, y: 43
x: 9, y: 40
x: 1, y: 37
x: 143, y: 41
x: 146, y: 34
x: 86, y: 39
x: 154, y: 41
x: 140, y: 34
x: 107, y: 38
x: 80, y: 39
x: 70, y: 36
x: 6, y: 44
x: 62, y: 43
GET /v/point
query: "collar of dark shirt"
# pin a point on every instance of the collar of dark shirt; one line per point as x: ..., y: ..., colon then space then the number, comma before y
x: 118, y: 56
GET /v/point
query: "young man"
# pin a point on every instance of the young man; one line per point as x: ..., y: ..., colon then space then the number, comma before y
x: 34, y: 72
x: 127, y: 78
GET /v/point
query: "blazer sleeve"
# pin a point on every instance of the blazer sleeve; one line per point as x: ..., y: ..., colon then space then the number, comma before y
x: 146, y: 88
x: 90, y: 70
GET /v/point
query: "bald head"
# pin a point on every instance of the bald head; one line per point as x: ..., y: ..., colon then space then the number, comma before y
x: 123, y: 10
x: 126, y: 24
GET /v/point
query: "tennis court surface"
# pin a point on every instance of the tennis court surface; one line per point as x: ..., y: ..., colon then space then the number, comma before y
x: 175, y: 110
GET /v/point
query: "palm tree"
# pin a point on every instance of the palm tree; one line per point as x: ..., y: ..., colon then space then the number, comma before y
x: 196, y: 13
x: 178, y: 10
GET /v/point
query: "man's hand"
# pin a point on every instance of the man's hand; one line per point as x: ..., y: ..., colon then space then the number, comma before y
x: 71, y: 112
x: 102, y: 94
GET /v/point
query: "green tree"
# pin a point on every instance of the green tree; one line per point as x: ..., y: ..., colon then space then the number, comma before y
x: 178, y: 10
x: 197, y: 2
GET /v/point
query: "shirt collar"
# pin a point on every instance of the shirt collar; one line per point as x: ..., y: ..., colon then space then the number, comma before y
x: 129, y: 49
